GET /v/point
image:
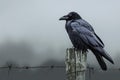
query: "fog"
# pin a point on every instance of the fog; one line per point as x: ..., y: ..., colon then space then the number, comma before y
x: 31, y: 33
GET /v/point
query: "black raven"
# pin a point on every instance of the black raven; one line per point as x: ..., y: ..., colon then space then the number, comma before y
x: 83, y: 37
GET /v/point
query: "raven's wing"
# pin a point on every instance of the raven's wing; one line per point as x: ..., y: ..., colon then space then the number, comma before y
x: 99, y: 39
x: 89, y: 27
x: 86, y: 35
x: 90, y: 39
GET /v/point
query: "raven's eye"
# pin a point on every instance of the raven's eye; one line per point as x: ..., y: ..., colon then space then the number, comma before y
x: 70, y: 15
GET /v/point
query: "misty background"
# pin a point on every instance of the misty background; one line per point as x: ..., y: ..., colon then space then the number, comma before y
x: 31, y: 33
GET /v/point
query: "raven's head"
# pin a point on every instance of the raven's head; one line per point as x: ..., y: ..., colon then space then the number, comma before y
x: 71, y: 16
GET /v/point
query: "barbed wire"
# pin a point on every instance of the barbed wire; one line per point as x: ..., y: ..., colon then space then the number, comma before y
x: 48, y: 66
x: 31, y: 67
x: 90, y: 69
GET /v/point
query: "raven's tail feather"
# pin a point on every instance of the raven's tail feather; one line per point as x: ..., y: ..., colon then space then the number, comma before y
x: 100, y: 61
x: 100, y: 51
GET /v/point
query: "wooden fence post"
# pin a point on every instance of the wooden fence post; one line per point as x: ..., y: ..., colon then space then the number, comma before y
x: 75, y: 61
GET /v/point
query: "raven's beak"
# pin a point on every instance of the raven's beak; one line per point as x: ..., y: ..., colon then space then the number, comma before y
x: 64, y: 18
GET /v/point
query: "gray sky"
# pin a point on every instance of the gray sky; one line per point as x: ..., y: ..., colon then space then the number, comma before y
x: 36, y: 23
